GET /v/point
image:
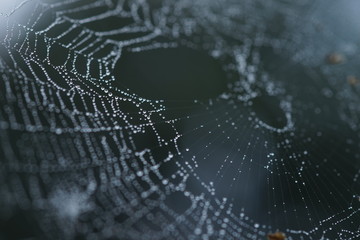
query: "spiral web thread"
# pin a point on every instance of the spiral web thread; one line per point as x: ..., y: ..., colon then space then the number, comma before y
x: 70, y: 143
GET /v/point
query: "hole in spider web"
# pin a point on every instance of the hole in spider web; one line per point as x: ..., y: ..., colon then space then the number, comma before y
x: 267, y: 109
x: 172, y: 73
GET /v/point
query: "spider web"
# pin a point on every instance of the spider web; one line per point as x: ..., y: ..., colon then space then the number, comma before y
x: 94, y: 145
